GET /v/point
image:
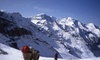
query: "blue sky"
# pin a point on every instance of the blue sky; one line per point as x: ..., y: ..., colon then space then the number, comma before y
x: 86, y: 11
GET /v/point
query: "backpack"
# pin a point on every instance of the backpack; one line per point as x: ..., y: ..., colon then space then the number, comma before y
x: 25, y: 49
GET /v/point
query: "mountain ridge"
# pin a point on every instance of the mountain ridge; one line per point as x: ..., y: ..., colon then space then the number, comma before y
x: 68, y: 36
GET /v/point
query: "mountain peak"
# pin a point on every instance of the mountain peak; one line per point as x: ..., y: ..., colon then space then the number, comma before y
x: 41, y: 14
x: 1, y: 10
x: 69, y: 18
x: 90, y: 25
x: 44, y: 16
x: 68, y: 21
x: 16, y: 14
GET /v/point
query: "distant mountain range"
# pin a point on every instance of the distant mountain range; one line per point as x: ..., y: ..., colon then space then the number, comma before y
x: 69, y: 37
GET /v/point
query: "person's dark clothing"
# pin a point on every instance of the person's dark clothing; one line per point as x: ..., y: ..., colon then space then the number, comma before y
x: 56, y: 56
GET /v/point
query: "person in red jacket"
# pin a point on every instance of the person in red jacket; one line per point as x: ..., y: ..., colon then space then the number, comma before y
x: 30, y: 53
x: 26, y: 53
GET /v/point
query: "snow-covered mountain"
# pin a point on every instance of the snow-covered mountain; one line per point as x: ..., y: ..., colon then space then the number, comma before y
x: 69, y: 37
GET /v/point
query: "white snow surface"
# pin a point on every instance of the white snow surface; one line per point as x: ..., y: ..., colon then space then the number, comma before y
x: 14, y: 54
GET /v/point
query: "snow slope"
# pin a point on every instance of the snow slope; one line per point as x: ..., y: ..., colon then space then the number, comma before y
x: 14, y: 54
